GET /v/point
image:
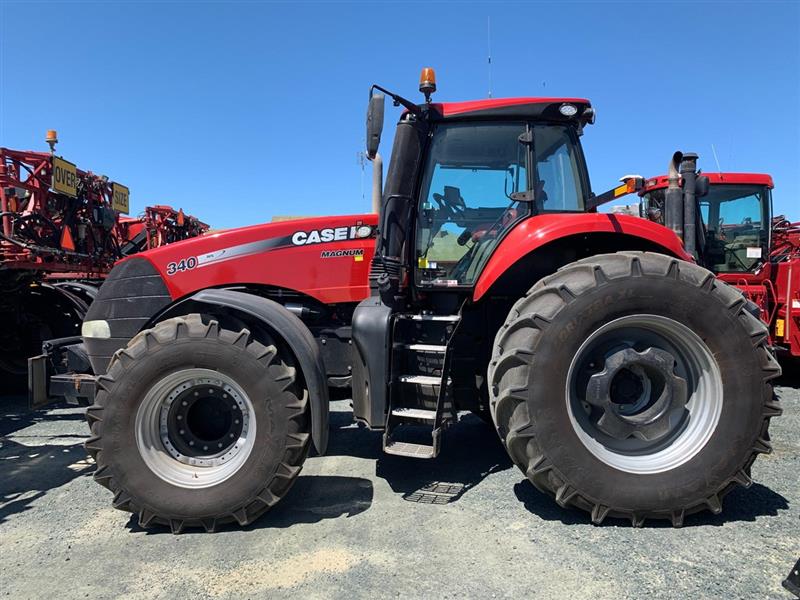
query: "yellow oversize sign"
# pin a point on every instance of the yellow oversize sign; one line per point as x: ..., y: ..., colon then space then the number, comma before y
x: 65, y: 177
x: 119, y: 197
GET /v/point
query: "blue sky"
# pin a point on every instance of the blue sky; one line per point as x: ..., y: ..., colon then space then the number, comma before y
x: 241, y: 111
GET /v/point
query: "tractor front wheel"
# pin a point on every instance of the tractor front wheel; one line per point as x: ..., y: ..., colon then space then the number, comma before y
x: 196, y: 426
x: 633, y: 385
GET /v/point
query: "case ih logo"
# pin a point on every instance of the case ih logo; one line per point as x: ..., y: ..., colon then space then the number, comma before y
x: 331, y: 234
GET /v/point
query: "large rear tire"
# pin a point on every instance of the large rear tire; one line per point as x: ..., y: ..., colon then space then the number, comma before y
x: 633, y: 385
x: 196, y: 426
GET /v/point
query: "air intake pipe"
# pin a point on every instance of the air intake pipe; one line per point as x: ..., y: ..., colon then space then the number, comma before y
x: 673, y: 199
x: 688, y: 172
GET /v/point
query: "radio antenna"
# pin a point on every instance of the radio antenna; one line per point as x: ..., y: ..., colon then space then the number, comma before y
x: 716, y: 160
x: 489, y: 50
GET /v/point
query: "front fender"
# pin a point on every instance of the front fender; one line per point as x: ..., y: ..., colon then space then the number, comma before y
x: 296, y: 335
x: 535, y: 232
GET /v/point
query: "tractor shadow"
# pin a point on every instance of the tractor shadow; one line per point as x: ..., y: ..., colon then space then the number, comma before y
x: 740, y: 505
x: 471, y: 451
x: 29, y: 472
x: 15, y: 414
x: 313, y: 498
x: 791, y: 374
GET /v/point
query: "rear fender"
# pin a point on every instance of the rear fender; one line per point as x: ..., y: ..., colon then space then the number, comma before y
x: 289, y: 328
x: 537, y: 232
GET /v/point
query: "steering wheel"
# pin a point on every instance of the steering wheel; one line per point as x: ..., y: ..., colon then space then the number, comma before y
x: 452, y: 206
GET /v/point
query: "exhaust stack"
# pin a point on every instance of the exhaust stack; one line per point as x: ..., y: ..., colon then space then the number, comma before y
x: 377, y: 183
x: 673, y: 199
x: 688, y: 173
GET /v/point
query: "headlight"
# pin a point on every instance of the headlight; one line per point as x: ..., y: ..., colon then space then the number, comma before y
x: 96, y: 329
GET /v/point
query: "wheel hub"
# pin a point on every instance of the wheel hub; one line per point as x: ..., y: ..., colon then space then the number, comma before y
x: 638, y: 393
x: 644, y: 393
x: 204, y: 420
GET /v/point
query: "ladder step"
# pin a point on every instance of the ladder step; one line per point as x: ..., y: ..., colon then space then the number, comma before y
x: 421, y: 379
x: 409, y: 449
x: 415, y: 413
x: 427, y: 348
x: 448, y: 318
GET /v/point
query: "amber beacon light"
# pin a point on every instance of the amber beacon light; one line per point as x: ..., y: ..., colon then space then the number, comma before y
x: 427, y: 82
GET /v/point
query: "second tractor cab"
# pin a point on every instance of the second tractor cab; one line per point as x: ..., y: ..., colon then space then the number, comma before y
x: 622, y: 378
x: 735, y: 216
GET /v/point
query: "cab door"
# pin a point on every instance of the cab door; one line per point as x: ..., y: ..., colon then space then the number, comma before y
x: 737, y: 221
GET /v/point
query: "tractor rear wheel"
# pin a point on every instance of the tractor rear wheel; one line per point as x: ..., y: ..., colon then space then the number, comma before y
x: 196, y: 426
x: 633, y: 385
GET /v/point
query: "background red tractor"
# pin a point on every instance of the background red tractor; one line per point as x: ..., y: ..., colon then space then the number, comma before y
x: 741, y: 241
x: 623, y: 379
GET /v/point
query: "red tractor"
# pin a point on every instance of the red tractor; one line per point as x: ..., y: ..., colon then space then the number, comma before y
x: 623, y: 378
x: 741, y: 241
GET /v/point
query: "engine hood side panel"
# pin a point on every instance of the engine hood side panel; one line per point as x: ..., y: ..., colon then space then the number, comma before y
x: 326, y: 258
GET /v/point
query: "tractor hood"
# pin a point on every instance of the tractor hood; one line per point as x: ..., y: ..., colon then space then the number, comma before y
x: 324, y: 257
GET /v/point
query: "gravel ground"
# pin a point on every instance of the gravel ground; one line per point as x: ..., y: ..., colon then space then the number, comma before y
x: 359, y: 523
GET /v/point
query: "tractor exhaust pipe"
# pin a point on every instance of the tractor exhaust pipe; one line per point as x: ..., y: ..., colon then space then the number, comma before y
x: 689, y: 176
x: 377, y: 183
x: 673, y: 199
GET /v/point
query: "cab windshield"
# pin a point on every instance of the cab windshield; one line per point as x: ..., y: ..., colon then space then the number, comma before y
x: 477, y: 185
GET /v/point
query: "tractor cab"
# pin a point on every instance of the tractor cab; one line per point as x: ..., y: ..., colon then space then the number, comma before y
x: 479, y: 179
x: 462, y: 176
x: 736, y: 218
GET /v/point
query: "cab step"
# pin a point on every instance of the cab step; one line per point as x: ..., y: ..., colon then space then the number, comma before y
x: 425, y: 317
x: 421, y: 379
x: 415, y: 413
x: 411, y: 449
x: 433, y: 348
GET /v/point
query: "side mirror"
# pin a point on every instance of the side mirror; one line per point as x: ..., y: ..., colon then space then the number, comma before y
x: 701, y: 186
x: 374, y: 123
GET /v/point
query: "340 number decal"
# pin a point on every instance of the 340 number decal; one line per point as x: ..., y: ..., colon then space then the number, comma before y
x: 185, y: 264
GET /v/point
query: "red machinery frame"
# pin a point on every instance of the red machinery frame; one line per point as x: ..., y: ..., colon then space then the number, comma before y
x: 29, y: 207
x: 26, y: 179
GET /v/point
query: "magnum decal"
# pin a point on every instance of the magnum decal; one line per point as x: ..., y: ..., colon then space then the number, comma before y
x: 338, y: 253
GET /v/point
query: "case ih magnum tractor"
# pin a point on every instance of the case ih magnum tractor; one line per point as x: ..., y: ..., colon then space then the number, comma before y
x: 622, y: 378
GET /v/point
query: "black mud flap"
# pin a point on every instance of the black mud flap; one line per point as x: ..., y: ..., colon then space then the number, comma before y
x: 37, y: 382
x: 792, y: 582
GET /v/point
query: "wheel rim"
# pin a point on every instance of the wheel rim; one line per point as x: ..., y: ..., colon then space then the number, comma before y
x: 644, y: 394
x: 195, y: 428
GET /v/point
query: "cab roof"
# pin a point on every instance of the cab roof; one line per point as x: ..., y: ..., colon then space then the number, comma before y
x: 521, y: 108
x: 656, y: 183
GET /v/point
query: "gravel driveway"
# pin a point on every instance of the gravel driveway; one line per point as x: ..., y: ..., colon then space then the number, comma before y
x: 360, y: 523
